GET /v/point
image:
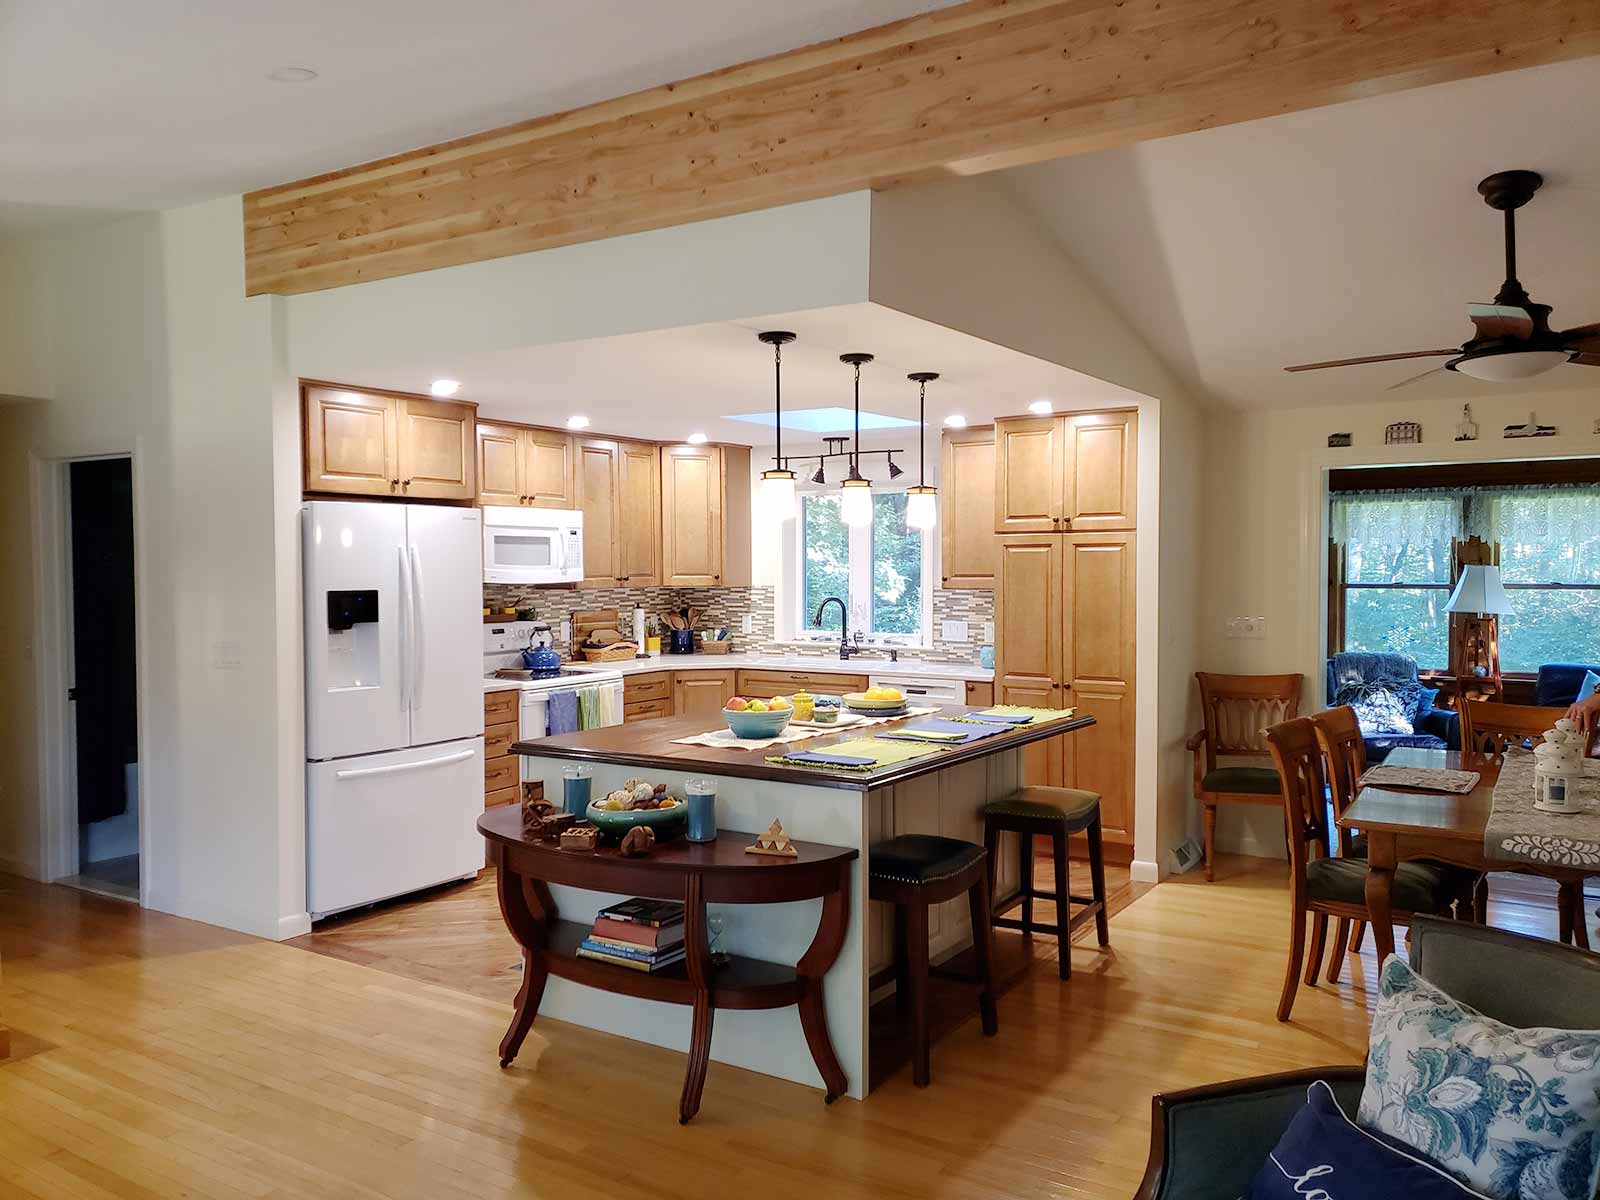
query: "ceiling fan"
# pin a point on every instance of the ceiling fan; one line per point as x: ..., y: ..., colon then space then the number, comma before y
x: 1514, y: 340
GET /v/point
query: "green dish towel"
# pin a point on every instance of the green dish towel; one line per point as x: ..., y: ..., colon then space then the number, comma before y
x: 883, y: 754
x: 1041, y: 716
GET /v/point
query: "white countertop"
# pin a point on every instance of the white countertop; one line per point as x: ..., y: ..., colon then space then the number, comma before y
x: 874, y: 664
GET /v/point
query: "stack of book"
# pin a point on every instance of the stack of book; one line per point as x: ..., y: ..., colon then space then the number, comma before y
x: 640, y: 934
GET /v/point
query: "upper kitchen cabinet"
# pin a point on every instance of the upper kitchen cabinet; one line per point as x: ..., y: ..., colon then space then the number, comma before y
x: 619, y: 491
x: 523, y: 466
x: 438, y: 451
x: 967, y: 546
x: 705, y: 516
x: 1075, y: 472
x: 367, y: 443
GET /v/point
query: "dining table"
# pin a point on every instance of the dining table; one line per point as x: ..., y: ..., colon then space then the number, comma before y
x: 1405, y: 824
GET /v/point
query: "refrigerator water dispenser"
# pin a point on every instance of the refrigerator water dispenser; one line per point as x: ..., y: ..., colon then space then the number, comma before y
x: 352, y: 648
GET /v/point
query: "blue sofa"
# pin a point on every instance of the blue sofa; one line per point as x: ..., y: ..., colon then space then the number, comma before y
x: 1557, y: 686
x: 1435, y: 728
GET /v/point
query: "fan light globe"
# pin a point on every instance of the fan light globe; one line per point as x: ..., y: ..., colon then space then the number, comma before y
x: 1515, y: 365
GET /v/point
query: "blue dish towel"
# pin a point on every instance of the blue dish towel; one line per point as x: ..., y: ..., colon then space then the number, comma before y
x: 561, y: 716
x: 989, y: 718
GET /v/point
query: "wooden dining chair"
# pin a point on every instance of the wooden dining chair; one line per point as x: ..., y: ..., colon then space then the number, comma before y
x: 1488, y: 730
x: 1237, y: 709
x: 1323, y: 886
x: 1344, y: 756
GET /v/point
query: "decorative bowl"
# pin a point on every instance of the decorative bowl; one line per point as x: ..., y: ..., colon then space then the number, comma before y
x: 758, y: 724
x: 662, y: 821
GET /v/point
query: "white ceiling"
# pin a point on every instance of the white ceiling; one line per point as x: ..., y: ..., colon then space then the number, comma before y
x: 669, y: 383
x: 113, y: 104
x: 1342, y: 231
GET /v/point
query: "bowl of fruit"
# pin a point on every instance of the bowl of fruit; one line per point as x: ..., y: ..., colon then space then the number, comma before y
x: 757, y: 718
x: 876, y: 700
x: 637, y: 802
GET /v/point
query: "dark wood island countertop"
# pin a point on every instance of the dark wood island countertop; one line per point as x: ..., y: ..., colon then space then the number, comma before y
x: 650, y: 744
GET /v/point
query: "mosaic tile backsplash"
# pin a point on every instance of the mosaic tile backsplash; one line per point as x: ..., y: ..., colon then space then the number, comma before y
x: 729, y: 606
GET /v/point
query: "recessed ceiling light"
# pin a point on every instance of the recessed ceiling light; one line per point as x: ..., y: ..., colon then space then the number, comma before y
x: 697, y: 439
x: 956, y: 421
x: 291, y: 75
x: 577, y: 422
x: 1042, y: 407
x: 445, y: 387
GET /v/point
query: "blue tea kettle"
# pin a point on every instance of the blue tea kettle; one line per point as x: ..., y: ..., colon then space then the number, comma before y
x: 540, y: 657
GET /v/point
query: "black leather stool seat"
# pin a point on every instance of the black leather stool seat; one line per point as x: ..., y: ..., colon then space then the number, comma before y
x: 918, y: 858
x: 1072, y: 807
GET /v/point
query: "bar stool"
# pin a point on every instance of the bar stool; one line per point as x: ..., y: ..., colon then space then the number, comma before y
x: 913, y: 873
x: 1060, y: 813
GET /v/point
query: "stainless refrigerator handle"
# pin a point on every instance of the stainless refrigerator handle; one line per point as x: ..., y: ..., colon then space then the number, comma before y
x: 405, y: 630
x: 394, y: 768
x: 419, y: 620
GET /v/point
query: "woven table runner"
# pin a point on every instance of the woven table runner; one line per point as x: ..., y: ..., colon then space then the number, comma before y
x: 1518, y: 832
x: 876, y: 751
x: 1428, y: 779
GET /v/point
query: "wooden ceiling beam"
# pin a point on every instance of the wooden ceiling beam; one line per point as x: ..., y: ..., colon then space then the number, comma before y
x: 976, y: 87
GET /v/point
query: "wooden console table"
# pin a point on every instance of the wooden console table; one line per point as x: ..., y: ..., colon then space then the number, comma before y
x: 718, y: 872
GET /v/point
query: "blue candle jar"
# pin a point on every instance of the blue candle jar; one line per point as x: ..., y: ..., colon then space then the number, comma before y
x: 700, y: 795
x: 575, y: 786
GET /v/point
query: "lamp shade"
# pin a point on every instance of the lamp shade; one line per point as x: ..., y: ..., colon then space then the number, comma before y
x: 1479, y: 590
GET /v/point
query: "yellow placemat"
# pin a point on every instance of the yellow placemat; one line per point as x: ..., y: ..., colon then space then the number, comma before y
x: 882, y: 753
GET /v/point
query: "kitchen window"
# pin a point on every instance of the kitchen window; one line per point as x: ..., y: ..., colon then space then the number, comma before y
x: 1390, y: 570
x: 883, y: 571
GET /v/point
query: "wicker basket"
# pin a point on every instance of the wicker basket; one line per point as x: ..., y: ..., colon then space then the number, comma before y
x: 615, y: 653
x: 723, y: 647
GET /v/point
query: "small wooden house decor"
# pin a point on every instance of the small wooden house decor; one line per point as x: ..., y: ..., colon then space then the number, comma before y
x: 1402, y: 433
x: 1531, y: 429
x: 774, y: 842
x: 1338, y: 440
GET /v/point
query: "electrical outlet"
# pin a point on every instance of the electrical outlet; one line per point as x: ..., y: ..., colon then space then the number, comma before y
x: 953, y: 631
x: 566, y: 631
x: 749, y: 625
x: 988, y: 633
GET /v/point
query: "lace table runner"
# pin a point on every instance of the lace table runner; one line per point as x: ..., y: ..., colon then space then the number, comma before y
x: 1428, y: 779
x: 1519, y: 832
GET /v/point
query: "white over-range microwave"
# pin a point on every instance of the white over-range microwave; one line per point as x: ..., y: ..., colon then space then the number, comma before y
x: 532, y: 545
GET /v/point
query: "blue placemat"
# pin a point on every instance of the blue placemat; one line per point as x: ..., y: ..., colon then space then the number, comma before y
x: 968, y: 730
x: 830, y: 760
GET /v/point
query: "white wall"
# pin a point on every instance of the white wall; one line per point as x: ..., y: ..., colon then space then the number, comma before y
x: 1264, y: 548
x: 142, y: 343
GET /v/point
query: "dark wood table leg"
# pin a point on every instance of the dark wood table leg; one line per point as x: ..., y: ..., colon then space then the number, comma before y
x: 812, y: 967
x: 527, y: 908
x: 697, y: 957
x: 1380, y: 891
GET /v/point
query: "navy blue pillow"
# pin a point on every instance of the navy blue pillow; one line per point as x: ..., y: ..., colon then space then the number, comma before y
x: 1324, y: 1154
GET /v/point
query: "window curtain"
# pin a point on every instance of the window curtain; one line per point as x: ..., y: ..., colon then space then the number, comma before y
x: 1397, y: 537
x: 1547, y: 534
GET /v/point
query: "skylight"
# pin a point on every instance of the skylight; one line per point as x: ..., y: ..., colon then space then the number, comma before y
x: 826, y: 420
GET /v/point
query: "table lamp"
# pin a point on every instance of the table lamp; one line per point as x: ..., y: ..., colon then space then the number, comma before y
x: 1476, y: 604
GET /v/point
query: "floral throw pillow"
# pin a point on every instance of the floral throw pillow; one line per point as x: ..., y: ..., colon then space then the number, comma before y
x: 1513, y: 1113
x: 1383, y: 711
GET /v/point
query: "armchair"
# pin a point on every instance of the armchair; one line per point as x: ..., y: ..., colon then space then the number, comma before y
x: 1206, y: 1143
x: 1558, y: 683
x: 1434, y: 728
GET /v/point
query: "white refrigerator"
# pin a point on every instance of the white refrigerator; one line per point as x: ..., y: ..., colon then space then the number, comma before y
x: 394, y: 699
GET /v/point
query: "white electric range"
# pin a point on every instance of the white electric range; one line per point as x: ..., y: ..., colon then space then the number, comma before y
x: 503, y: 645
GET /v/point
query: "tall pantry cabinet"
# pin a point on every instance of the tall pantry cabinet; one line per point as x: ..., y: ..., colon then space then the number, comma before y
x: 1065, y: 495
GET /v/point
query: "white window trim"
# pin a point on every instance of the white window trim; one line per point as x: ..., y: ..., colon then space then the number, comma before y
x: 795, y: 626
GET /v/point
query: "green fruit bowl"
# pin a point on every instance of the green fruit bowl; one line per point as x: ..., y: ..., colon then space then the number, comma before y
x: 616, y: 822
x: 753, y: 725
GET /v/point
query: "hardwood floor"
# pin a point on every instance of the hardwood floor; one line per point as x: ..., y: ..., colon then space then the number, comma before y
x: 156, y: 1057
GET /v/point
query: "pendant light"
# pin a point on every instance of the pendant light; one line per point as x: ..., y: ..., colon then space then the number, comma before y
x: 855, y: 499
x: 922, y: 501
x: 777, y: 484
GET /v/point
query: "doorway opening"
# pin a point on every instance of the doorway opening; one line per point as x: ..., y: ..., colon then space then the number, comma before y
x: 102, y: 677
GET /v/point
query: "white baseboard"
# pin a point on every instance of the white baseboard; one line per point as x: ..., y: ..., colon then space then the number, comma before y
x: 274, y: 930
x: 293, y: 926
x: 1143, y: 871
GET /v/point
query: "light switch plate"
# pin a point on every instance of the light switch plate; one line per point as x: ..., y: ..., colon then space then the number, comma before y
x: 988, y: 633
x: 749, y: 625
x: 225, y: 656
x: 1254, y: 628
x: 953, y: 631
x: 566, y: 631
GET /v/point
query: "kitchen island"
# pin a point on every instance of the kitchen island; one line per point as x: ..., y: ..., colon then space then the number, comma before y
x: 942, y: 792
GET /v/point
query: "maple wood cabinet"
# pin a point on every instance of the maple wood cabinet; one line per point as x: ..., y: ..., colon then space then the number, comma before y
x: 1075, y: 472
x: 967, y: 548
x: 619, y: 491
x: 1064, y: 614
x: 361, y: 442
x: 520, y: 465
x: 696, y: 693
x: 705, y: 516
